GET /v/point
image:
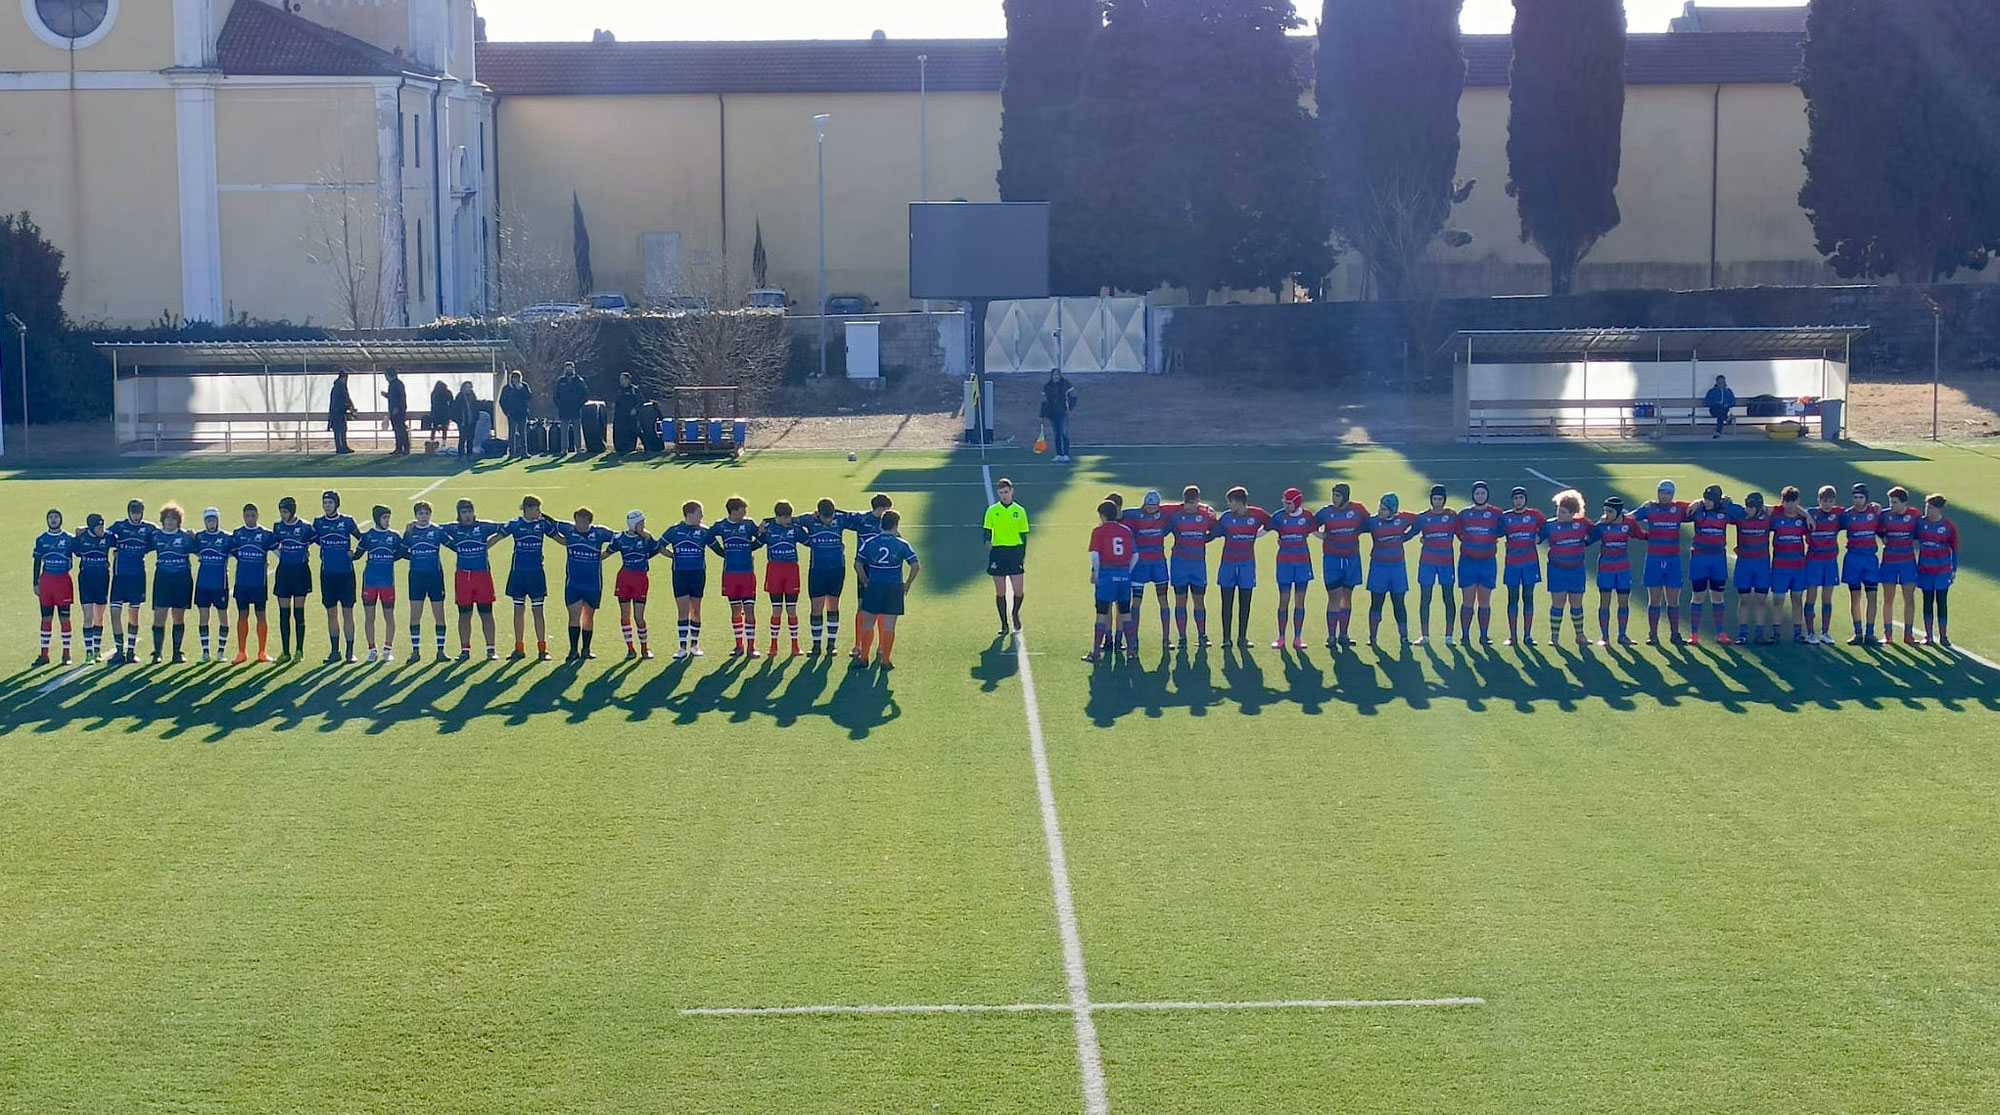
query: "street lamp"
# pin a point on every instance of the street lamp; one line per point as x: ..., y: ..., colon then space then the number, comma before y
x: 819, y: 129
x: 21, y: 337
x: 1937, y: 358
x: 924, y: 136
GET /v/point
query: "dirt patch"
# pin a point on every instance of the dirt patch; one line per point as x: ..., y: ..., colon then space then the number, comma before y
x: 1900, y: 410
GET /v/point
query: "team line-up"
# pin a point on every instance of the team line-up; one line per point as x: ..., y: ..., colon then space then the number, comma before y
x: 192, y: 572
x: 1790, y: 561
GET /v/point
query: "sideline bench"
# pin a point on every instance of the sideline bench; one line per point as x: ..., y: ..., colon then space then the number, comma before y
x: 1583, y: 417
x: 277, y: 426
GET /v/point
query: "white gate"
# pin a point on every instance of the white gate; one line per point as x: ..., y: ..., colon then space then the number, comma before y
x: 1084, y: 334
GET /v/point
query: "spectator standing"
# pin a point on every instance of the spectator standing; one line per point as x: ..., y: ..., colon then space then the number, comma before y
x: 1058, y: 400
x: 465, y: 412
x: 570, y: 394
x: 515, y: 398
x: 441, y: 407
x: 625, y: 415
x: 339, y: 410
x: 398, y: 398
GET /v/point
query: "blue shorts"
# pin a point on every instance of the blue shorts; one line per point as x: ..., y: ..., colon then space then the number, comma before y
x: 1786, y: 581
x: 1822, y: 574
x: 592, y: 595
x: 1663, y: 572
x: 1188, y: 573
x: 93, y: 588
x: 1390, y: 577
x: 1934, y: 582
x: 1708, y: 571
x: 1899, y: 572
x: 1236, y: 574
x: 1430, y: 574
x: 1753, y: 575
x: 211, y: 596
x: 1614, y: 582
x: 883, y: 597
x: 1527, y: 573
x: 251, y: 595
x: 1150, y: 573
x: 1341, y: 571
x: 1566, y: 578
x: 128, y: 588
x: 425, y: 585
x: 1477, y: 572
x: 825, y: 582
x: 1299, y: 573
x: 690, y: 582
x: 1113, y: 589
x: 173, y: 590
x: 1861, y: 568
x: 533, y: 584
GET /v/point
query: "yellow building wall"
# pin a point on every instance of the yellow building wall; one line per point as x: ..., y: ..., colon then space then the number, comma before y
x: 142, y: 38
x: 96, y: 170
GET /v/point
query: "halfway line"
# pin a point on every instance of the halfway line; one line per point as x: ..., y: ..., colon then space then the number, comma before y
x: 1056, y: 1008
x: 1090, y: 1063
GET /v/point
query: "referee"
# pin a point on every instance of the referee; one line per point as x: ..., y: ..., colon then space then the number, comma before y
x: 1007, y: 541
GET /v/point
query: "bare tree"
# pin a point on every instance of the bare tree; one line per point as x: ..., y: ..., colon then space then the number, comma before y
x: 544, y: 345
x: 343, y: 241
x: 742, y: 348
x: 1396, y: 236
x: 529, y: 266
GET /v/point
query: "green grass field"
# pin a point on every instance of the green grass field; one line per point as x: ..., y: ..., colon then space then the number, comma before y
x: 1690, y: 880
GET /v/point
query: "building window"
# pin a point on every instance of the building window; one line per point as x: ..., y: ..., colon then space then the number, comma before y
x: 420, y: 260
x: 70, y: 24
x: 417, y: 137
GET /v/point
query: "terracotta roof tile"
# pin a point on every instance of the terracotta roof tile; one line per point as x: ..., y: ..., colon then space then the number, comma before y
x: 259, y: 38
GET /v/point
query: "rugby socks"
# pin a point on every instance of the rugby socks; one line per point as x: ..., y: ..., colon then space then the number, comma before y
x: 645, y: 645
x: 1464, y: 619
x: 1332, y: 620
x: 1374, y: 616
x: 862, y: 641
x: 817, y: 625
x: 574, y: 633
x: 1242, y: 618
x: 1715, y: 610
x: 180, y: 638
x: 1181, y: 620
x: 48, y: 626
x: 416, y: 640
x: 159, y: 639
x: 1298, y: 622
x: 1513, y: 613
x: 204, y: 640
x: 1200, y: 621
x: 888, y: 645
x: 587, y: 633
x: 1604, y: 620
x: 1826, y: 617
x: 285, y: 631
x: 221, y: 635
x: 1576, y: 620
x: 1100, y: 638
x: 442, y: 637
x: 1282, y: 616
x: 1000, y: 606
x: 1167, y: 621
x: 1228, y: 611
x: 1556, y: 622
x: 1018, y: 597
x: 624, y: 628
x: 832, y: 628
x: 1528, y: 612
x: 1401, y: 609
x: 1485, y: 621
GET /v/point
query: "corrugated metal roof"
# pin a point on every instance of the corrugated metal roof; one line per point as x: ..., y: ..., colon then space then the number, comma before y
x: 320, y: 356
x: 1616, y: 343
x: 529, y: 69
x: 1707, y: 18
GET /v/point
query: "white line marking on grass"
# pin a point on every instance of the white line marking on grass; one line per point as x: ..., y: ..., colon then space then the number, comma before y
x: 1969, y: 656
x: 1055, y: 1008
x: 1090, y: 1062
x: 434, y: 485
x: 60, y: 680
x: 1543, y: 476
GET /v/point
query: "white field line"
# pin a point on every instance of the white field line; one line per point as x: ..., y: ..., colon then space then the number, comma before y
x: 434, y: 485
x: 60, y: 680
x: 1090, y: 1062
x: 1063, y: 1008
x: 1969, y: 656
x: 1546, y: 478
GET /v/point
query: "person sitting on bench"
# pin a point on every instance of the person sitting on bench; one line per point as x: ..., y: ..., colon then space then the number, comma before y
x: 1720, y: 400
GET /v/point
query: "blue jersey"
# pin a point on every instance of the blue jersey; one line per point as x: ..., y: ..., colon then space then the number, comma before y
x: 884, y: 554
x: 636, y: 550
x: 335, y: 535
x: 252, y: 546
x: 470, y: 541
x: 93, y: 553
x: 295, y: 540
x: 176, y: 550
x: 781, y: 541
x: 52, y: 552
x: 211, y: 550
x: 527, y: 535
x: 586, y: 555
x: 689, y: 545
x: 382, y: 547
x: 827, y: 541
x: 864, y: 524
x: 739, y: 541
x: 131, y: 542
x: 424, y: 545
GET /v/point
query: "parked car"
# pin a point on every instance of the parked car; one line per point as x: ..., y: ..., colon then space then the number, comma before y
x: 545, y: 311
x: 841, y: 305
x: 684, y: 304
x: 767, y: 298
x: 608, y: 302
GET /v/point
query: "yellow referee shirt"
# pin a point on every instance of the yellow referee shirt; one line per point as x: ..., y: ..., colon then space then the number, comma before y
x: 1009, y: 524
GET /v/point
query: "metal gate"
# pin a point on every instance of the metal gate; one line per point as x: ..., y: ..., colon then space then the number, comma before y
x: 1084, y: 334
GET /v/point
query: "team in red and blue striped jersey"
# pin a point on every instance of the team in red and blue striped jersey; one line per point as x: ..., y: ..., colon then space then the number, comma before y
x: 1708, y: 560
x: 1822, y: 562
x: 1521, y: 527
x: 1614, y: 532
x: 1239, y: 527
x: 1937, y: 566
x: 1861, y: 568
x: 1437, y: 527
x: 1478, y: 564
x: 1753, y: 572
x: 1660, y: 524
x: 1898, y: 528
x: 1791, y: 527
x: 1295, y: 527
x: 1112, y: 552
x: 1192, y: 524
x: 1388, y: 529
x: 1149, y: 534
x: 1569, y: 536
x: 1340, y: 560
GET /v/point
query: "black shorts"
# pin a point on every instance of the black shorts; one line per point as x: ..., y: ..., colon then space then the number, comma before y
x: 690, y: 582
x: 336, y: 588
x: 211, y: 596
x: 292, y: 581
x: 825, y: 582
x: 592, y: 595
x: 1006, y: 561
x: 173, y: 590
x: 93, y: 588
x: 249, y: 595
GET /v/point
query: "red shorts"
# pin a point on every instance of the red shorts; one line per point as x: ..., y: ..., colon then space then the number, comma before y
x: 56, y: 590
x: 633, y: 584
x: 472, y: 586
x: 739, y: 586
x: 383, y: 595
x: 781, y: 578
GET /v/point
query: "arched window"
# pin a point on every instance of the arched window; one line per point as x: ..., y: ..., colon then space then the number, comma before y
x: 70, y: 24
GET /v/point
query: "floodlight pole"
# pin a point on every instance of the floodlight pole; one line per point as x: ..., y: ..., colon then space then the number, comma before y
x: 924, y: 136
x: 1937, y: 358
x: 819, y: 129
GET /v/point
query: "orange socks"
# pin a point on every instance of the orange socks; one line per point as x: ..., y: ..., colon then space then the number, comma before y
x: 888, y: 643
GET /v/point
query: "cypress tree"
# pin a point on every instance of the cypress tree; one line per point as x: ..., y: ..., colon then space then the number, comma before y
x: 1567, y: 106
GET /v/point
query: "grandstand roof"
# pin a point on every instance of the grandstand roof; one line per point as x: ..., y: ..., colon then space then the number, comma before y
x: 315, y: 356
x: 1494, y: 346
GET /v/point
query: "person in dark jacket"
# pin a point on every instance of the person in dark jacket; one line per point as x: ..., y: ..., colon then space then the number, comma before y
x: 515, y: 398
x: 465, y: 412
x: 441, y: 404
x: 339, y: 410
x: 1720, y: 400
x: 397, y: 397
x: 1058, y: 400
x: 570, y: 394
x: 625, y: 415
